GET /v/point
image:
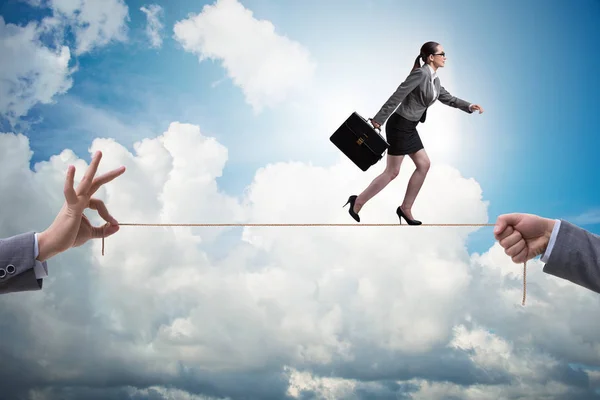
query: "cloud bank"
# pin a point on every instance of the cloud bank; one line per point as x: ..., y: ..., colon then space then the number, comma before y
x: 331, y: 312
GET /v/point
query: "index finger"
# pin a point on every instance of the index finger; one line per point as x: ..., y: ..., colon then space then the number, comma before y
x: 105, y: 178
x: 98, y: 205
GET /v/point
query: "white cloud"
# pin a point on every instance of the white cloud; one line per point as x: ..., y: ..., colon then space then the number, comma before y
x: 265, y: 64
x: 96, y: 23
x: 154, y: 26
x: 161, y: 308
x: 495, y: 355
x: 30, y: 72
x: 525, y: 389
x: 34, y: 67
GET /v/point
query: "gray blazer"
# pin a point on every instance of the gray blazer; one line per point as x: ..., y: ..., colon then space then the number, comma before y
x: 415, y: 95
x: 16, y: 264
x: 575, y: 256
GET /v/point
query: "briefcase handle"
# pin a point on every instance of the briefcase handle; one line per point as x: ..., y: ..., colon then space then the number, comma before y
x: 377, y: 129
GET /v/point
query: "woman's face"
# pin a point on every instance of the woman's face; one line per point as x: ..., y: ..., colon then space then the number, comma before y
x: 438, y: 59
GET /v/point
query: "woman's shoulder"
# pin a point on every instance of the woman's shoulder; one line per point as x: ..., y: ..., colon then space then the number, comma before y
x: 418, y: 74
x: 421, y: 71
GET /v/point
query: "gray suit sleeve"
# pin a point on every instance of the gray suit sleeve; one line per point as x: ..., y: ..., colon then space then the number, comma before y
x: 17, y: 262
x: 411, y: 82
x: 446, y: 98
x: 576, y: 256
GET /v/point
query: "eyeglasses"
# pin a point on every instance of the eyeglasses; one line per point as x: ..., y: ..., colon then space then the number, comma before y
x: 443, y: 54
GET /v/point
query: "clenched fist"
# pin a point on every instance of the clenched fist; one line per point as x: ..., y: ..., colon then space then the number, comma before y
x: 523, y: 236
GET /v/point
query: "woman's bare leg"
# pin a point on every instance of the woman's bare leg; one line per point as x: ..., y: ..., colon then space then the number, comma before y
x: 422, y: 162
x: 392, y: 169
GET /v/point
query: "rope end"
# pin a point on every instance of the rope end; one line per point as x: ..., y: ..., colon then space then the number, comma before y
x: 524, y: 282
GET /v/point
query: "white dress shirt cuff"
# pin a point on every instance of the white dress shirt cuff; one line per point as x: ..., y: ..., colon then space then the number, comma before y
x: 39, y: 269
x: 551, y: 242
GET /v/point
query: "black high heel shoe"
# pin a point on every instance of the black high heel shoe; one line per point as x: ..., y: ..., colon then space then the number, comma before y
x: 351, y: 201
x: 409, y: 221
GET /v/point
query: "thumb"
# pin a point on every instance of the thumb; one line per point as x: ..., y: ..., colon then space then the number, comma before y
x: 505, y: 220
x: 105, y: 230
x: 500, y: 225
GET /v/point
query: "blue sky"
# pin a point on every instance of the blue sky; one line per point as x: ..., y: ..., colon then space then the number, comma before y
x: 531, y: 65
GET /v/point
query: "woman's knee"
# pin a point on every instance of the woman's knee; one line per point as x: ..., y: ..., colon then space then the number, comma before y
x: 392, y: 173
x: 424, y: 165
x: 392, y: 168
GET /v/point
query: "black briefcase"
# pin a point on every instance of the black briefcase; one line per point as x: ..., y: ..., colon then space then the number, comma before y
x: 359, y: 141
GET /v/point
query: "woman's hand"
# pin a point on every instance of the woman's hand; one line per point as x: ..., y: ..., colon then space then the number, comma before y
x: 375, y: 124
x: 476, y: 107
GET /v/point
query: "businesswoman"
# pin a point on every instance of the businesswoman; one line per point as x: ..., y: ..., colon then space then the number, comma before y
x: 419, y: 91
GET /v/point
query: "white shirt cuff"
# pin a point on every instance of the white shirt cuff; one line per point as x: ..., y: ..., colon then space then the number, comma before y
x: 551, y: 242
x: 39, y: 269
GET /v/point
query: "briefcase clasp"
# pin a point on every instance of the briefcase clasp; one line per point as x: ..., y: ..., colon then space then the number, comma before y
x: 361, y: 140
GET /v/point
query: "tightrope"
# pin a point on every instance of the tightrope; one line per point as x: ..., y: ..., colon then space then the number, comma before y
x: 314, y: 225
